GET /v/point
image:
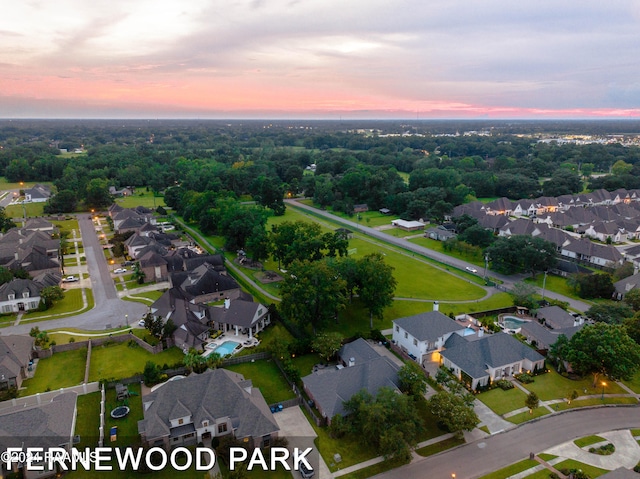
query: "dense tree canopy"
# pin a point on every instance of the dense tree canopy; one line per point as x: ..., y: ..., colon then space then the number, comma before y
x: 522, y: 253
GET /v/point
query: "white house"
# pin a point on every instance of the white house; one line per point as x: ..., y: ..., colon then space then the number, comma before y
x: 422, y: 335
x: 19, y: 295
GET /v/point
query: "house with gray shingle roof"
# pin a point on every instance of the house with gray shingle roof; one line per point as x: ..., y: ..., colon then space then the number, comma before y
x: 38, y: 194
x: 203, y: 406
x: 205, y: 284
x: 480, y: 361
x: 625, y: 285
x: 239, y: 316
x: 15, y: 355
x: 19, y: 295
x: 543, y: 338
x: 330, y: 388
x: 554, y: 317
x: 420, y: 335
x: 46, y: 425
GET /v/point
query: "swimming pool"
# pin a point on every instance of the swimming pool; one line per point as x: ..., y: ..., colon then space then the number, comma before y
x: 511, y: 322
x: 224, y: 349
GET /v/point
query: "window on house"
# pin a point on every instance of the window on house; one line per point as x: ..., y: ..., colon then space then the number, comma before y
x: 415, y: 342
x: 25, y: 294
x: 406, y: 335
x: 222, y: 428
x: 205, y: 423
x: 180, y: 421
x: 397, y: 329
x: 11, y: 296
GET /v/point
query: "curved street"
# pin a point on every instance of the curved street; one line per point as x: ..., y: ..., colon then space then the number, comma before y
x: 508, y: 281
x: 500, y: 450
x: 109, y: 311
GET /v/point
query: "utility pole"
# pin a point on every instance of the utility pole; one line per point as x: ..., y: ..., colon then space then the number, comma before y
x: 544, y: 283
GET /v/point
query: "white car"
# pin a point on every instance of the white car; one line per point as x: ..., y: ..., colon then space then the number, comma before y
x: 141, y: 323
x: 70, y: 279
x: 120, y: 270
x: 471, y: 270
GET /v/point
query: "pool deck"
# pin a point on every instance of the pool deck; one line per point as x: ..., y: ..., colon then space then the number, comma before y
x: 242, y: 339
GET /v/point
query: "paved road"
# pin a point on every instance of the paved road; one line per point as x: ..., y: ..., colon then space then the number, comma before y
x: 109, y: 311
x: 498, y: 451
x: 508, y: 281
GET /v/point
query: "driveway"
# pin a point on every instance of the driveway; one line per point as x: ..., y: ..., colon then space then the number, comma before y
x: 295, y: 427
x: 109, y: 310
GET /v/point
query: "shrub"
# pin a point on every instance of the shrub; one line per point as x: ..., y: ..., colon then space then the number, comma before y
x: 605, y: 450
x: 524, y: 378
x: 504, y: 384
x: 72, y: 340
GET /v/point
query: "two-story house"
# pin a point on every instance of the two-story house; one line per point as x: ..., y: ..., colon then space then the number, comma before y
x: 203, y: 406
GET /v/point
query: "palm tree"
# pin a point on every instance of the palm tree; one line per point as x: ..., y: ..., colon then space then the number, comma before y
x: 138, y: 274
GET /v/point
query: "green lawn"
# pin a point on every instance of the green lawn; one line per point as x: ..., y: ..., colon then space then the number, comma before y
x: 141, y: 198
x: 588, y: 441
x: 146, y: 297
x: 266, y: 376
x: 79, y: 334
x: 555, y: 283
x: 592, y: 471
x: 439, y: 446
x: 305, y: 363
x: 511, y: 470
x: 526, y: 416
x: 502, y: 402
x: 498, y: 300
x: 274, y: 332
x: 32, y: 210
x: 552, y: 385
x: 88, y: 420
x: 59, y: 371
x: 634, y: 383
x: 127, y: 426
x: 434, y: 245
x: 123, y: 360
x: 71, y: 303
x: 375, y: 469
x: 596, y: 402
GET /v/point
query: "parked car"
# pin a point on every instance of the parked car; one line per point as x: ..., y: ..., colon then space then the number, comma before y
x: 141, y: 323
x: 70, y: 279
x: 470, y: 269
x: 305, y: 472
x: 120, y: 270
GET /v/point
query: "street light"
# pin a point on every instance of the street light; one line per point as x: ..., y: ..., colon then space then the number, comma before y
x: 603, y: 385
x: 453, y: 475
x: 126, y: 318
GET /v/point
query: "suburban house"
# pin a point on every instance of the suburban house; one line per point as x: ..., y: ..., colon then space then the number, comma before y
x: 477, y: 361
x: 19, y: 295
x: 200, y: 407
x: 542, y: 337
x: 45, y: 425
x: 38, y: 194
x: 205, y: 284
x: 241, y: 317
x: 625, y: 285
x: 15, y: 358
x: 33, y: 250
x: 554, y: 317
x: 424, y: 334
x: 360, y: 208
x: 190, y: 319
x: 439, y: 233
x: 154, y: 267
x: 329, y: 388
x: 408, y: 225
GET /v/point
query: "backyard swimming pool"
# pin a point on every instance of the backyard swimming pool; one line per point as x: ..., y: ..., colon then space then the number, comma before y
x: 511, y: 322
x: 224, y: 349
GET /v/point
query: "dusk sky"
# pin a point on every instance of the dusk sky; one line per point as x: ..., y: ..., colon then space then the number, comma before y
x: 320, y: 59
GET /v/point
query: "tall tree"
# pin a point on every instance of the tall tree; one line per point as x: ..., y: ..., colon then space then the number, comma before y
x: 453, y: 413
x: 603, y: 349
x: 412, y: 379
x: 532, y: 401
x: 376, y: 285
x: 97, y: 193
x: 312, y: 294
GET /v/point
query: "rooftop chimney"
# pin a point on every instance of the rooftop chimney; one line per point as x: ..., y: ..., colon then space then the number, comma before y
x: 352, y: 362
x: 436, y: 306
x: 227, y: 303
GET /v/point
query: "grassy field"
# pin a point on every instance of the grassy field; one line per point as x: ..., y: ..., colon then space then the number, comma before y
x: 588, y: 440
x: 59, y: 371
x: 67, y: 225
x: 31, y: 209
x: 141, y: 198
x: 266, y: 376
x: 127, y: 426
x: 596, y: 402
x: 123, y: 360
x: 438, y: 246
x: 146, y: 297
x: 501, y: 401
x: 555, y: 283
